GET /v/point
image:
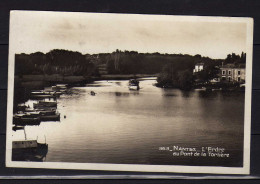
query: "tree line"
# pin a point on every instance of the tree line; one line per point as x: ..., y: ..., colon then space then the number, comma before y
x: 56, y: 61
x: 67, y: 62
x: 174, y: 70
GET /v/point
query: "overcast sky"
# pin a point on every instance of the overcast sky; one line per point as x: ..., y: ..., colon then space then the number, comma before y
x: 101, y: 33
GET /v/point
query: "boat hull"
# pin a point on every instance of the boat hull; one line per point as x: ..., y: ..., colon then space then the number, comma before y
x: 36, y: 153
x: 26, y: 121
x: 134, y: 87
x: 50, y: 117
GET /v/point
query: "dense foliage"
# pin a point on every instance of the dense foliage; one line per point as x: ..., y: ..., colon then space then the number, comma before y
x: 175, y: 70
x: 54, y: 62
x: 180, y: 74
x: 130, y: 62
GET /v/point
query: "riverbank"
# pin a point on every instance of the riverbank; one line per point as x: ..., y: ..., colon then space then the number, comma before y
x: 221, y: 86
x: 41, y: 81
x: 123, y: 76
x: 38, y: 81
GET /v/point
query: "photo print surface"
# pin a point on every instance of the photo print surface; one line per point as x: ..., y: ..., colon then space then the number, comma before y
x: 128, y: 92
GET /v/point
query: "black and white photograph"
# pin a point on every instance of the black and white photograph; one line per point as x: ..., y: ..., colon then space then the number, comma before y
x: 129, y: 92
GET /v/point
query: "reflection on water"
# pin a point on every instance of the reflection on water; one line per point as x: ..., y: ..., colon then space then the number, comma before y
x: 121, y: 126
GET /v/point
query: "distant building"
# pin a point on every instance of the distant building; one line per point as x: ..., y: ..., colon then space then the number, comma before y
x: 198, y: 67
x: 233, y: 73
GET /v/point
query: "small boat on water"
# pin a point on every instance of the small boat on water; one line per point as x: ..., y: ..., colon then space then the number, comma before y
x: 49, y: 116
x: 21, y: 107
x: 24, y: 144
x: 44, y: 115
x: 42, y: 96
x: 40, y: 92
x: 92, y: 93
x: 15, y: 128
x: 29, y: 150
x: 56, y: 93
x: 43, y: 104
x: 60, y: 88
x: 40, y: 110
x: 45, y: 94
x: 133, y: 84
x: 24, y: 119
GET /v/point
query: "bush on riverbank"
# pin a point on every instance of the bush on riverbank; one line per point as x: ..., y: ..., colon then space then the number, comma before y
x: 172, y: 77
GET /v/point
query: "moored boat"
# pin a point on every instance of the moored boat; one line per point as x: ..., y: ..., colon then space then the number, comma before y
x: 24, y: 119
x: 40, y: 92
x: 21, y: 107
x: 15, y: 128
x: 49, y: 116
x: 29, y: 150
x: 42, y: 104
x: 60, y: 88
x: 45, y: 94
x: 133, y: 84
x: 44, y: 115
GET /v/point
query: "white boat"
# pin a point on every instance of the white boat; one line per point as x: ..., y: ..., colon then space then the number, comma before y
x: 133, y: 84
x: 133, y: 87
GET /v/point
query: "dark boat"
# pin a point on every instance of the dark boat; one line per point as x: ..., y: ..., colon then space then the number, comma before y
x: 21, y: 107
x: 29, y: 150
x: 22, y: 120
x: 44, y: 115
x: 42, y: 96
x: 133, y: 84
x: 45, y: 94
x: 60, y: 88
x: 44, y: 105
x: 49, y: 116
x: 56, y: 93
x: 15, y: 128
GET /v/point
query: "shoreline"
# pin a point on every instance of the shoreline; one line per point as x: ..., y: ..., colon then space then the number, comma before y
x: 40, y: 81
x: 31, y: 81
x: 123, y: 76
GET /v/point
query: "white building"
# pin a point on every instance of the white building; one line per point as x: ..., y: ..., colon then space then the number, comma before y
x: 233, y: 73
x: 198, y: 67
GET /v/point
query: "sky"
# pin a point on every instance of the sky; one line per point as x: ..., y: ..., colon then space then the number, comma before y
x: 92, y: 33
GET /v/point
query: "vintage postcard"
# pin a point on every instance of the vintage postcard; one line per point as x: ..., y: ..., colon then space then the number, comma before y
x: 126, y: 92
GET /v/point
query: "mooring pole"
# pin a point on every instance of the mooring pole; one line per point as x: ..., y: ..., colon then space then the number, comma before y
x: 24, y: 134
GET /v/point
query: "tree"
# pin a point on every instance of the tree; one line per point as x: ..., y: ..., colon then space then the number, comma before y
x: 209, y: 72
x: 234, y: 58
x: 243, y: 57
x: 111, y: 67
x: 168, y: 76
x: 174, y: 76
x: 185, y: 79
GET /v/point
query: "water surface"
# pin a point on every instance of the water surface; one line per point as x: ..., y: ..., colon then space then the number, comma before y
x: 122, y: 126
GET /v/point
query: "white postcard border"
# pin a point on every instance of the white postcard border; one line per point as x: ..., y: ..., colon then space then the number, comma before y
x: 136, y: 167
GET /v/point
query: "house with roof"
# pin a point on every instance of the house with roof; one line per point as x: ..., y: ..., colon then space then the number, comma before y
x: 233, y: 73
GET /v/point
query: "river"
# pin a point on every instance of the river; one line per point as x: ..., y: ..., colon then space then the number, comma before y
x: 128, y: 127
